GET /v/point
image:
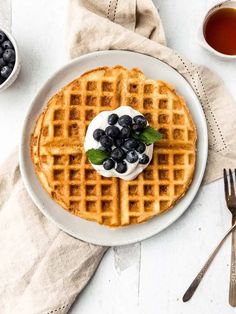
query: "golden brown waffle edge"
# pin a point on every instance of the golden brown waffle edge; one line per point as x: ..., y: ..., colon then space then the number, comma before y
x: 70, y: 180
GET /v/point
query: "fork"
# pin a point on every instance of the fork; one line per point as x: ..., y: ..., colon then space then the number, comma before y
x: 230, y: 198
x: 231, y: 204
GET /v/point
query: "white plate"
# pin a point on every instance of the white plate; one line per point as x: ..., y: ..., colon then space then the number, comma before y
x: 91, y: 231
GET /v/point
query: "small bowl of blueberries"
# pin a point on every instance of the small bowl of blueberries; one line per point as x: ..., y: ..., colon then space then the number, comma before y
x: 9, y: 59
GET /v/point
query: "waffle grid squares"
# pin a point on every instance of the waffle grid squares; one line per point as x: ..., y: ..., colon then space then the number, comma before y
x: 76, y: 100
x: 77, y: 186
x: 166, y: 173
x: 66, y: 169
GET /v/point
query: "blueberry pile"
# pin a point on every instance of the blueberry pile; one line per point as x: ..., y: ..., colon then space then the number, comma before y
x: 7, y: 57
x: 121, y: 143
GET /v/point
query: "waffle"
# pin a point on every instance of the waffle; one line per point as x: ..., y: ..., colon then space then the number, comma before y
x: 64, y: 171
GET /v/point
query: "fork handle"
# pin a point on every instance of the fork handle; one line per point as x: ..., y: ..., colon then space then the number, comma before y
x: 193, y: 287
x: 232, y: 285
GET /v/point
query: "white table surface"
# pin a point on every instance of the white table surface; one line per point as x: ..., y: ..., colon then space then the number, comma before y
x: 148, y: 277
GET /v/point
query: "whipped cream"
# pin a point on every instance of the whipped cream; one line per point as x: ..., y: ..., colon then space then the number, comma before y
x: 101, y: 122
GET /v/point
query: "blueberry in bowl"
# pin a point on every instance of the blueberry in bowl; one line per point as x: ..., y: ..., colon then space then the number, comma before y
x: 9, y: 56
x: 2, y: 37
x: 2, y: 63
x: 5, y: 71
x: 7, y: 45
x: 9, y: 59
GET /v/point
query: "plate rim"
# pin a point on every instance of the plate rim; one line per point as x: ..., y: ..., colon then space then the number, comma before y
x: 32, y: 193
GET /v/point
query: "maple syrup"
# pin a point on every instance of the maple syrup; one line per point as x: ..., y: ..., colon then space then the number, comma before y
x: 220, y: 30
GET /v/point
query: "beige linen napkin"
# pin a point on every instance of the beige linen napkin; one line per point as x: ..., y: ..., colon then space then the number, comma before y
x: 42, y: 269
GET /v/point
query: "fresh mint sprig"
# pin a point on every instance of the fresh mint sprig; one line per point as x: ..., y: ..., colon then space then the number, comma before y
x: 97, y: 156
x: 149, y: 136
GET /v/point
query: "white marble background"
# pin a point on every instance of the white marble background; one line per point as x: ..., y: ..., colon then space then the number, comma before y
x: 148, y: 277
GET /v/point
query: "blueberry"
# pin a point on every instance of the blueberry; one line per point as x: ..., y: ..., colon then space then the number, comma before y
x: 7, y: 45
x: 1, y: 51
x: 141, y: 121
x: 105, y: 149
x: 1, y: 80
x: 124, y: 149
x: 131, y: 144
x: 97, y: 134
x: 113, y: 118
x: 108, y: 164
x: 125, y: 120
x: 11, y: 65
x: 106, y: 141
x: 141, y: 148
x: 118, y: 154
x: 132, y: 156
x: 119, y: 142
x: 9, y: 55
x: 137, y: 128
x: 2, y: 63
x: 121, y: 167
x: 112, y: 131
x: 125, y: 132
x: 2, y: 37
x: 144, y: 159
x: 6, y: 71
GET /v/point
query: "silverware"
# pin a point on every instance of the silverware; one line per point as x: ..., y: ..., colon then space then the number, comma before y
x: 231, y: 204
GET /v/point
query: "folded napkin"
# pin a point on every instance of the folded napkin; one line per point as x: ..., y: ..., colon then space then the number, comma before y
x: 43, y: 269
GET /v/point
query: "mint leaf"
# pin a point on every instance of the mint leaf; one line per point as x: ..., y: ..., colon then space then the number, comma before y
x: 96, y: 156
x: 149, y: 136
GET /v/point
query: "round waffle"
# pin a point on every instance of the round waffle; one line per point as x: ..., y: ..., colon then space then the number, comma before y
x: 65, y: 173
